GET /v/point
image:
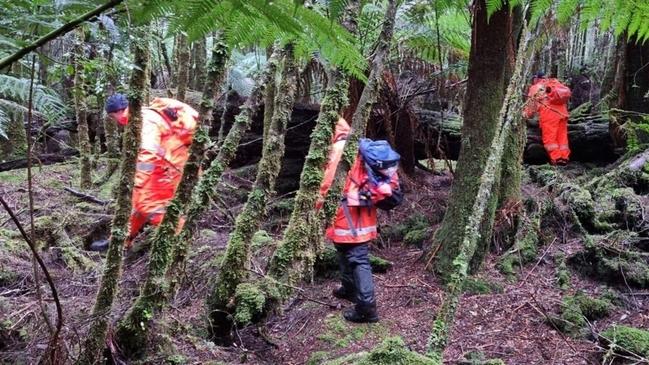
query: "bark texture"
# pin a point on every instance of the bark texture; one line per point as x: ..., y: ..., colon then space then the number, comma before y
x: 132, y: 331
x: 364, y: 106
x: 81, y: 111
x: 203, y: 192
x: 295, y: 254
x: 234, y: 267
x: 483, y: 101
x: 459, y: 266
x: 182, y: 67
x: 95, y: 340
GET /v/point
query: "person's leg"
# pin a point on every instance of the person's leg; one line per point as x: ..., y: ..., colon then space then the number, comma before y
x: 549, y: 138
x: 365, y: 309
x: 562, y: 140
x: 348, y: 288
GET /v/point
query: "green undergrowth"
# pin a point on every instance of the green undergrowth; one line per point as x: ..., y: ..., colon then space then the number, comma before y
x: 626, y: 341
x: 612, y: 259
x: 562, y: 275
x: 474, y: 285
x: 415, y: 230
x: 392, y: 351
x: 578, y: 310
x: 340, y: 334
x: 478, y: 358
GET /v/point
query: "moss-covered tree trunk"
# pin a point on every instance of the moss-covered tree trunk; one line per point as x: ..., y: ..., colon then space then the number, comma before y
x: 96, y: 338
x: 296, y: 253
x: 81, y: 112
x: 199, y: 63
x: 204, y: 190
x: 512, y: 166
x: 484, y: 98
x: 182, y: 67
x: 486, y: 190
x: 133, y: 329
x: 364, y: 107
x: 235, y: 263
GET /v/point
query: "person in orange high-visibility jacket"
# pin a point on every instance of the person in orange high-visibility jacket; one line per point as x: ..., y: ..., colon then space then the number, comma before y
x: 372, y: 178
x: 168, y: 127
x: 549, y: 98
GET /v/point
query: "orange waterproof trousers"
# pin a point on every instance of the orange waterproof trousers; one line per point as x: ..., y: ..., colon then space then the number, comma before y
x: 554, y: 133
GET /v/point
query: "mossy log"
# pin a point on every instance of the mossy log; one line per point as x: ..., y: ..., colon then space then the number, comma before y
x: 132, y: 330
x: 590, y: 138
x: 52, y: 232
x: 234, y: 267
x: 95, y: 340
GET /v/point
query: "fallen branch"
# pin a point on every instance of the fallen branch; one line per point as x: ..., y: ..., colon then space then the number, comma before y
x: 86, y: 197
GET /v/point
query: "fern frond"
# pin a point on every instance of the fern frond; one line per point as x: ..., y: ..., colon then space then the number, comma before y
x: 44, y: 100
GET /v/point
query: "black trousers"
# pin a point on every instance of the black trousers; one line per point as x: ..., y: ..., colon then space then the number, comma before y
x: 356, y: 272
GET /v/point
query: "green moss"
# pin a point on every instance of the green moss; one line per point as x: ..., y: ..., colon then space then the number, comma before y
x: 392, y: 351
x: 563, y: 274
x: 577, y: 310
x: 478, y: 358
x: 249, y: 300
x: 413, y: 230
x: 317, y: 358
x: 261, y: 238
x: 481, y: 286
x: 623, y: 339
x: 176, y: 360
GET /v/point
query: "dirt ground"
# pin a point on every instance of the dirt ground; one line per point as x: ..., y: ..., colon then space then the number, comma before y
x: 509, y: 322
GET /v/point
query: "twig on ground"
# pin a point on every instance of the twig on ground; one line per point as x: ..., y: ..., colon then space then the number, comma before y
x: 86, y: 197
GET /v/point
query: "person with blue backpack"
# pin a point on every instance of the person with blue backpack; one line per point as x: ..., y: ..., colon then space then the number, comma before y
x: 372, y: 183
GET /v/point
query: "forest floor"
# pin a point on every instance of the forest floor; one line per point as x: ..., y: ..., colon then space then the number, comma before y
x: 499, y: 316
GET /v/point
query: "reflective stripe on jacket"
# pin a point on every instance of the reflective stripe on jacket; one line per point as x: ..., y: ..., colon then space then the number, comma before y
x: 360, y: 225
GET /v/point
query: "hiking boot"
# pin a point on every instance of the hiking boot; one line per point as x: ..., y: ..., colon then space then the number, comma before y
x: 362, y: 314
x: 562, y: 162
x: 342, y: 293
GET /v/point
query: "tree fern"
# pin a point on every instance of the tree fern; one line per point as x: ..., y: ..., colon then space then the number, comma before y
x: 260, y: 23
x: 14, y: 97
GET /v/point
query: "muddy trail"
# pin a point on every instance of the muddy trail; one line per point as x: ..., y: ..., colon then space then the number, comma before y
x: 521, y: 308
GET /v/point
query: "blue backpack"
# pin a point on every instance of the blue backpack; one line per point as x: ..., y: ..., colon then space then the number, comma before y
x: 379, y: 155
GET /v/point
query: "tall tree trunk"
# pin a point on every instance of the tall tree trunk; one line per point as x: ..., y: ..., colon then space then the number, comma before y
x: 237, y: 255
x: 133, y: 329
x: 200, y: 60
x: 111, y: 133
x: 295, y: 254
x: 364, y: 107
x: 204, y: 191
x: 183, y: 67
x: 96, y: 338
x: 81, y: 111
x: 512, y: 166
x: 484, y: 98
x: 487, y: 185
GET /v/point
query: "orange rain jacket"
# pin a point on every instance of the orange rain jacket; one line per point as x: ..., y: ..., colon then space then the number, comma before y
x: 164, y: 150
x: 553, y: 117
x: 360, y: 226
x: 335, y: 154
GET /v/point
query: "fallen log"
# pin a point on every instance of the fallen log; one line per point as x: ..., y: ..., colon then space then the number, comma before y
x: 44, y: 159
x: 589, y: 138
